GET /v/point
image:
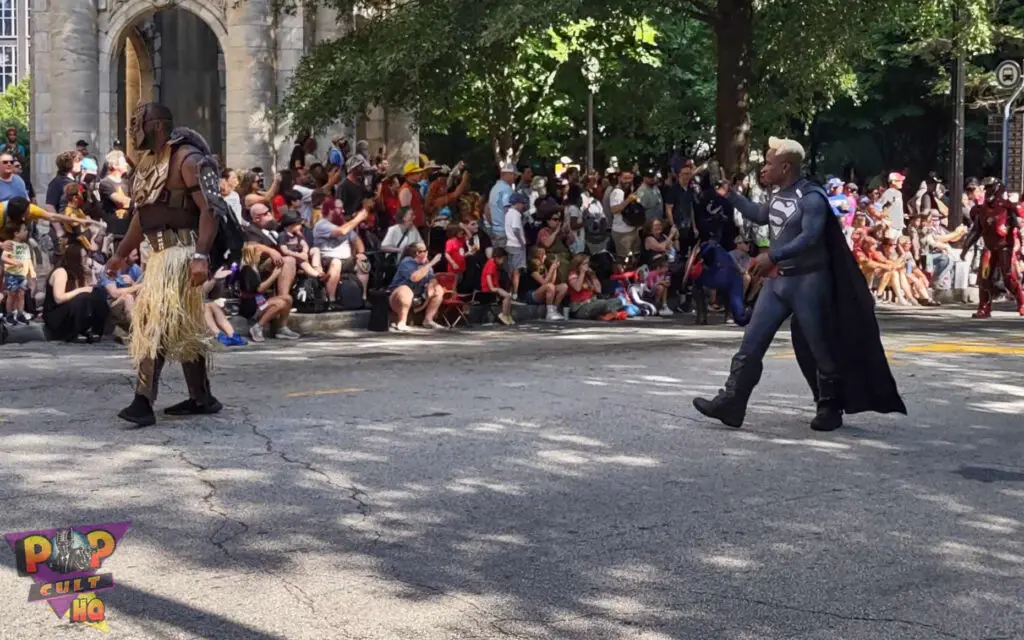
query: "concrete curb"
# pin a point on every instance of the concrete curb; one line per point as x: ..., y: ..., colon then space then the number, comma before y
x: 957, y: 296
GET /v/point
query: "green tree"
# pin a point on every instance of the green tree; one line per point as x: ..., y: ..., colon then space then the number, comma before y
x: 14, y: 109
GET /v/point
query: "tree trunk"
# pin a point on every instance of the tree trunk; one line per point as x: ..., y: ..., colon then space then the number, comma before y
x: 734, y: 33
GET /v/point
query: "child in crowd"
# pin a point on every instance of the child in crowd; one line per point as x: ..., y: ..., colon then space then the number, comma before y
x: 213, y: 313
x: 540, y: 284
x: 490, y: 282
x: 292, y: 242
x: 658, y: 283
x: 74, y: 199
x: 18, y: 268
x: 455, y: 250
x: 741, y: 256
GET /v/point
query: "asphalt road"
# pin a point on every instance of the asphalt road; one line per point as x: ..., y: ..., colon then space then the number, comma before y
x: 539, y: 482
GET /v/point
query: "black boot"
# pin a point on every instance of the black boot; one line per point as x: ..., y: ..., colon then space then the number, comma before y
x: 830, y: 412
x: 700, y: 301
x: 140, y: 411
x: 730, y: 405
x: 192, y: 408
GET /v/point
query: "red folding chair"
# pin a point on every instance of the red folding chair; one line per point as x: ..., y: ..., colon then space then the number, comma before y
x: 454, y: 305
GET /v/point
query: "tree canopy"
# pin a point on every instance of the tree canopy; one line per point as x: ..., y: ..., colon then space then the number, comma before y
x: 720, y: 75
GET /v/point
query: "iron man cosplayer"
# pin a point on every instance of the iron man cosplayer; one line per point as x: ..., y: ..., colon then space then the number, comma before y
x: 996, y: 221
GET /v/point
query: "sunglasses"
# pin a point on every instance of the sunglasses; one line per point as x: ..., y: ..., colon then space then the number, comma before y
x: 6, y: 161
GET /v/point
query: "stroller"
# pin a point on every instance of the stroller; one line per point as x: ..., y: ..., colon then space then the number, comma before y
x: 629, y: 287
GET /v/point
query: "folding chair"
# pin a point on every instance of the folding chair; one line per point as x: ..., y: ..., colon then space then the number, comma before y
x: 454, y: 306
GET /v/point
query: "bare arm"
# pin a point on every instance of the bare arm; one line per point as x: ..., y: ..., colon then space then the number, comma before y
x: 60, y: 283
x: 132, y: 239
x: 271, y: 279
x: 349, y: 226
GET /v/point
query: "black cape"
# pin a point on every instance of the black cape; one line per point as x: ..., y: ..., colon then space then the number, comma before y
x: 867, y: 381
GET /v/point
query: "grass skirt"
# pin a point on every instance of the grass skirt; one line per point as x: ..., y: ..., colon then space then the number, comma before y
x: 168, y: 314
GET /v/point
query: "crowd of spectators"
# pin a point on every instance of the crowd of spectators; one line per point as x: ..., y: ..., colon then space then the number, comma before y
x: 327, y: 232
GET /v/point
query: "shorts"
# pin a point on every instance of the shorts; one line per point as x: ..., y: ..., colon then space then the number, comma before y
x: 516, y: 259
x: 531, y: 298
x: 15, y: 283
x: 348, y: 265
x: 499, y: 242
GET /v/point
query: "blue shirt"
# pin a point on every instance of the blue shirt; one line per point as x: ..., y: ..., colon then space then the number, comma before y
x: 403, y: 277
x: 336, y: 157
x: 838, y: 201
x: 123, y: 280
x: 15, y: 188
x: 498, y: 202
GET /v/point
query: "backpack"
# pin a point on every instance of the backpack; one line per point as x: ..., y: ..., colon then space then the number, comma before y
x: 595, y: 223
x: 634, y: 215
x: 350, y: 293
x: 227, y: 245
x: 309, y: 295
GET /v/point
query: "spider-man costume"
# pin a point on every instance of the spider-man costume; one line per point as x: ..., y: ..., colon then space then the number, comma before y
x: 996, y: 222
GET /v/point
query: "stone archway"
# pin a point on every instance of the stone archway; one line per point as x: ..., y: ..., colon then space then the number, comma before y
x: 137, y: 76
x: 119, y: 34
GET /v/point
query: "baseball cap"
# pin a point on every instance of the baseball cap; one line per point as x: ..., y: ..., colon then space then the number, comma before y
x: 834, y: 183
x: 509, y: 167
x: 651, y: 172
x: 517, y: 198
x: 89, y: 166
x: 896, y: 176
x: 852, y: 186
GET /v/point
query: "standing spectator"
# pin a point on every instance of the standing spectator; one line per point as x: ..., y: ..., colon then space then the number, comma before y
x: 13, y: 147
x: 414, y: 286
x: 455, y: 251
x: 11, y: 184
x: 515, y: 237
x: 353, y: 188
x: 649, y: 195
x: 338, y: 151
x: 114, y: 202
x: 387, y: 200
x: 574, y: 212
x: 252, y: 191
x: 18, y: 268
x: 498, y: 202
x: 229, y: 191
x: 82, y: 147
x: 625, y: 236
x: 891, y: 205
x: 409, y: 194
x: 28, y: 183
x: 490, y: 279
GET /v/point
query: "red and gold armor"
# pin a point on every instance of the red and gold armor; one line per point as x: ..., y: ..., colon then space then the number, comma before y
x: 997, y: 225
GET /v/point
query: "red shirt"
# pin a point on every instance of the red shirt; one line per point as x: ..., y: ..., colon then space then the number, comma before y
x: 455, y: 249
x: 391, y: 206
x: 490, y: 269
x: 585, y: 293
x: 278, y: 207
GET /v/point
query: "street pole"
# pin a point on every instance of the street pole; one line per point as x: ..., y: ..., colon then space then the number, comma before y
x: 956, y: 178
x: 590, y: 131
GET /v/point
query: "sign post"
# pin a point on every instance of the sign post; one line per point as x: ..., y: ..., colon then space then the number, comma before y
x: 1008, y: 76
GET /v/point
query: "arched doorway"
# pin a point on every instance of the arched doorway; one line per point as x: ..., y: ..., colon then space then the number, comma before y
x: 172, y: 56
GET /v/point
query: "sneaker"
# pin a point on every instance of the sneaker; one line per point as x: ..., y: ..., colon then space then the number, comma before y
x: 430, y: 324
x: 506, y: 319
x: 256, y: 333
x: 11, y: 320
x: 554, y: 316
x: 237, y: 341
x: 400, y: 327
x: 23, y: 317
x: 516, y: 302
x: 224, y: 339
x: 665, y: 312
x: 622, y: 315
x: 287, y: 334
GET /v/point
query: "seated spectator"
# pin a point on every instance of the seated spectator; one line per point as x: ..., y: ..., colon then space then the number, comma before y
x: 540, y: 286
x: 905, y: 293
x: 122, y: 279
x: 490, y: 283
x: 940, y: 258
x: 555, y: 236
x: 455, y: 251
x: 291, y: 242
x: 401, y: 234
x: 880, y: 273
x: 413, y: 287
x: 73, y: 306
x: 574, y: 213
x: 583, y: 289
x: 213, y: 314
x: 261, y: 310
x: 916, y: 278
x: 264, y: 232
x: 251, y: 191
x: 341, y: 250
x: 659, y: 243
x: 658, y: 284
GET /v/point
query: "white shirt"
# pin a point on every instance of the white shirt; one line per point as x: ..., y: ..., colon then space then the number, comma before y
x: 580, y: 243
x: 618, y: 224
x: 306, y: 209
x: 513, y: 228
x: 393, y: 238
x: 235, y: 202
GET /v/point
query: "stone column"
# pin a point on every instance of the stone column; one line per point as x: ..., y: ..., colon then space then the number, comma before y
x: 65, y: 79
x: 291, y: 44
x: 328, y: 27
x: 250, y: 94
x: 403, y: 139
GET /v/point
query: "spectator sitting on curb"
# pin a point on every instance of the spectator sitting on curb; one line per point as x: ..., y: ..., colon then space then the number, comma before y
x: 213, y: 315
x: 122, y: 280
x: 260, y: 310
x: 401, y: 234
x: 292, y: 243
x: 583, y: 287
x: 658, y: 283
x: 341, y: 249
x: 264, y: 232
x: 490, y: 280
x: 540, y: 284
x: 413, y: 287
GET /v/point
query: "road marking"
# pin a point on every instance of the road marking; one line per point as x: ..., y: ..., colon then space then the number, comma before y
x: 956, y: 347
x: 324, y: 392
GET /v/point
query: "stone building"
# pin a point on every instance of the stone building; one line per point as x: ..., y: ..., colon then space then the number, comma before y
x: 222, y: 66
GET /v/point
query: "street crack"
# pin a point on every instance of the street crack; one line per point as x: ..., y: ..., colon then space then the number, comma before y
x: 208, y: 500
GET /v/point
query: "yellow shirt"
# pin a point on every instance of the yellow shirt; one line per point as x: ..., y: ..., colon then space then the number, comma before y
x: 34, y: 213
x: 74, y: 212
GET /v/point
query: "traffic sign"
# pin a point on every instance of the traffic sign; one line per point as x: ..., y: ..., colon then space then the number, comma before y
x: 1008, y: 74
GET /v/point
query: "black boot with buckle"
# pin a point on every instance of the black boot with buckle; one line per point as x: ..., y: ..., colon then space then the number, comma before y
x: 730, y: 405
x: 829, y: 416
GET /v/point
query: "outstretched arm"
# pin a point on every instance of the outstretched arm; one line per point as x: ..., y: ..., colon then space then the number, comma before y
x: 753, y: 212
x: 815, y: 211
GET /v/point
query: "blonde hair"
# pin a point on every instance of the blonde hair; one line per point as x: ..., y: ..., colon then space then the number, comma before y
x: 787, y: 147
x: 114, y: 158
